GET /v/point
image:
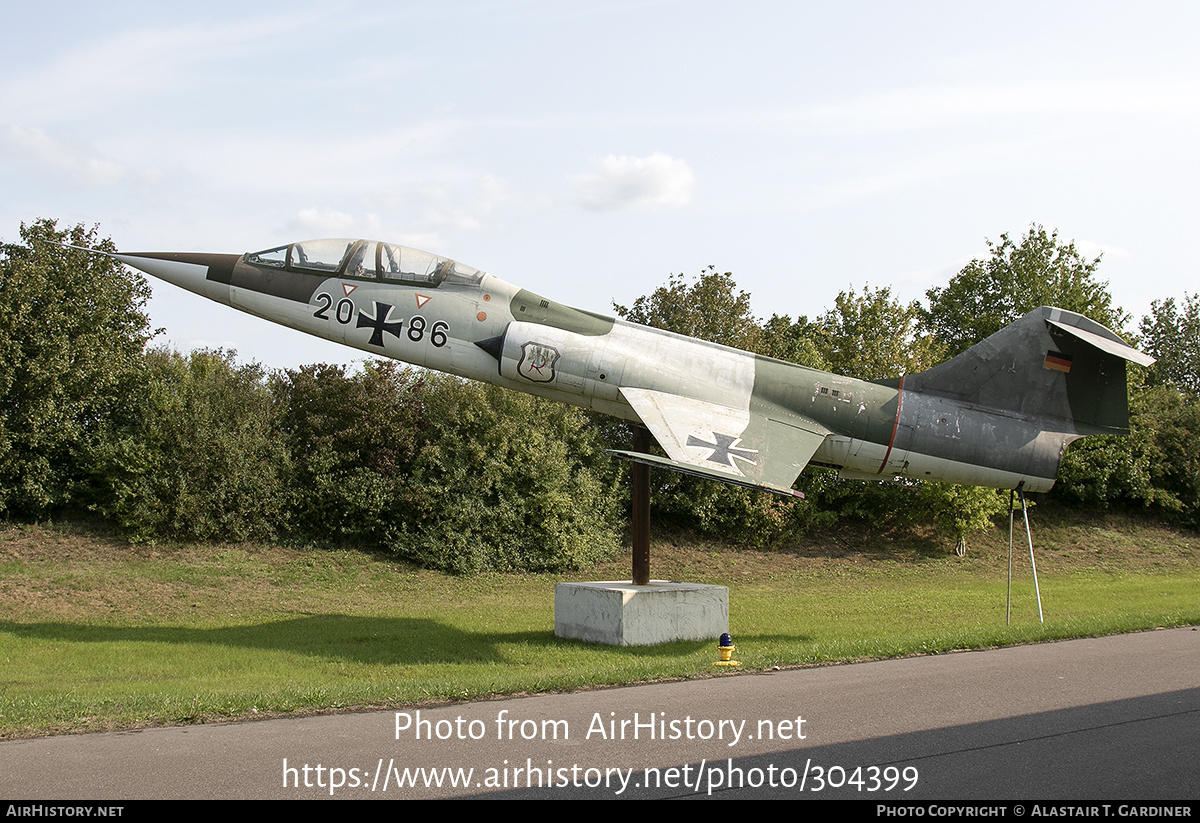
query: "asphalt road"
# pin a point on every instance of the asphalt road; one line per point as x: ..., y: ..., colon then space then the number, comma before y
x: 1107, y: 719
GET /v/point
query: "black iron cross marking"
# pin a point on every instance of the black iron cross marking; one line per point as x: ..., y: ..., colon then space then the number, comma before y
x: 724, y: 450
x: 379, y: 323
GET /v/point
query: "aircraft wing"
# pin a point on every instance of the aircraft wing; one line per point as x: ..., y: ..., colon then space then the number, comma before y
x: 1104, y: 343
x: 737, y: 446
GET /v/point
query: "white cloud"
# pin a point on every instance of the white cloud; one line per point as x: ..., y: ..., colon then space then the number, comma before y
x: 656, y: 181
x: 79, y: 162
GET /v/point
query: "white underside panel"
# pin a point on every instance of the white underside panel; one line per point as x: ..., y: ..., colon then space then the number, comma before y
x: 862, y: 461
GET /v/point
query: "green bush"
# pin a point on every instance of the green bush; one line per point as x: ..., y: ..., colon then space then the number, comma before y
x: 352, y: 439
x: 452, y: 475
x: 72, y: 333
x: 505, y: 481
x: 207, y: 462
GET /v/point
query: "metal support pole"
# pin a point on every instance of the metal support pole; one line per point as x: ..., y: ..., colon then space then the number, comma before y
x: 1029, y: 536
x: 640, y: 517
x: 1008, y: 597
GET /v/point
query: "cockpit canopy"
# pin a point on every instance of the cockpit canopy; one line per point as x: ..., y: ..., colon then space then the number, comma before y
x: 368, y: 259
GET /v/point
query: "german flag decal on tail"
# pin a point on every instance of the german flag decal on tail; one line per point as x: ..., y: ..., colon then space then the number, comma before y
x: 1058, y: 361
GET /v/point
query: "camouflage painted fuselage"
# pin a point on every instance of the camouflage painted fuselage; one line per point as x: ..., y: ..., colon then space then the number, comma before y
x: 999, y: 415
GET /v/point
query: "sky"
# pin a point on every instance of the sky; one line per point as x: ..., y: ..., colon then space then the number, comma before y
x: 588, y: 150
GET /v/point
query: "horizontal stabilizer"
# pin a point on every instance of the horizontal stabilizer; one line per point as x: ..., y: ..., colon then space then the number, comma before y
x: 740, y: 446
x: 700, y: 471
x: 1105, y: 344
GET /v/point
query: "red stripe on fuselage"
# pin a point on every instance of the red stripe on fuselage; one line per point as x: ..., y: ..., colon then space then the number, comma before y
x: 895, y: 426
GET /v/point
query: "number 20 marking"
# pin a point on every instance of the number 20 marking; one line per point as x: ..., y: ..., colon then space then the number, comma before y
x: 344, y: 312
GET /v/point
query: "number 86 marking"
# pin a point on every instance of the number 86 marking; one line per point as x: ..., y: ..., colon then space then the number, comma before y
x: 437, y: 336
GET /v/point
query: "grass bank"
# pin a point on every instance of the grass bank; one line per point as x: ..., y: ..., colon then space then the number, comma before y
x: 96, y: 634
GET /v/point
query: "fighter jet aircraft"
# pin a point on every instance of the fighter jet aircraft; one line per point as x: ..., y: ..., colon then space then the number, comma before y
x: 999, y: 414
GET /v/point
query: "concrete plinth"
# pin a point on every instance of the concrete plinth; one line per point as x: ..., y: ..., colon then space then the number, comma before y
x: 621, y: 614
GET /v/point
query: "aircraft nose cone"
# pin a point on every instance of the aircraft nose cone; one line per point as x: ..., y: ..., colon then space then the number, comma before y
x: 205, y: 274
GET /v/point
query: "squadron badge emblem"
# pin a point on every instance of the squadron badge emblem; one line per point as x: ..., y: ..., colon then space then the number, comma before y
x: 537, y: 362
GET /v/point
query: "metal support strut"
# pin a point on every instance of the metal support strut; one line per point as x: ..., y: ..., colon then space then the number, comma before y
x: 1020, y: 490
x: 640, y: 516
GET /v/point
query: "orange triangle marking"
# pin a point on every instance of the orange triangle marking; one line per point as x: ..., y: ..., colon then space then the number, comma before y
x: 348, y: 288
x: 421, y: 300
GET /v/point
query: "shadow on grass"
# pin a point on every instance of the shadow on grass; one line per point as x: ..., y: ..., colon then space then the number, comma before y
x: 368, y: 640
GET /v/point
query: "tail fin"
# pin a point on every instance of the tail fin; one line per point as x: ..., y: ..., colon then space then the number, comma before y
x: 1050, y: 364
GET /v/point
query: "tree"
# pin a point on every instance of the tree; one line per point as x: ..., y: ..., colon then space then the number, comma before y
x: 1014, y: 279
x: 1157, y: 466
x: 873, y: 336
x: 794, y: 342
x: 72, y: 335
x: 1169, y: 423
x: 711, y: 309
x: 962, y: 509
x: 1173, y: 336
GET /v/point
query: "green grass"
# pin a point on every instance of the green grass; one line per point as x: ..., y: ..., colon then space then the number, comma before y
x: 97, y: 634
